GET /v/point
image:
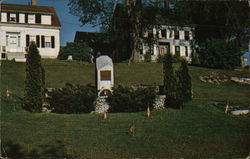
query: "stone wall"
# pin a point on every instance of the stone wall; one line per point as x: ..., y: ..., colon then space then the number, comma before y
x: 101, y: 105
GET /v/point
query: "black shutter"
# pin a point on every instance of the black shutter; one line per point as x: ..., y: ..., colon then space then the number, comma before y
x: 27, y: 40
x: 38, y: 41
x: 26, y: 17
x: 17, y: 17
x: 43, y: 41
x: 38, y: 18
x: 52, y: 42
x: 8, y: 17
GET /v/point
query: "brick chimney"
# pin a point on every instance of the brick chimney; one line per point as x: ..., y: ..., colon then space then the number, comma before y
x: 33, y: 2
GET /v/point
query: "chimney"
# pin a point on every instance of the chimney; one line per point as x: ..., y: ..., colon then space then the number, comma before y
x: 33, y: 2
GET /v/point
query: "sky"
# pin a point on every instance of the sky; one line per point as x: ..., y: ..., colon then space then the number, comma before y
x: 70, y: 23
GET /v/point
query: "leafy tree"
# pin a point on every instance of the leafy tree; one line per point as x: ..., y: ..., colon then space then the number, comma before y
x: 217, y: 53
x: 184, y: 88
x: 79, y: 51
x: 135, y: 17
x: 215, y: 19
x: 35, y: 81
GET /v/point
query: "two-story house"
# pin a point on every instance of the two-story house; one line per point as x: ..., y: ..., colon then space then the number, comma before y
x: 21, y: 24
x: 177, y: 40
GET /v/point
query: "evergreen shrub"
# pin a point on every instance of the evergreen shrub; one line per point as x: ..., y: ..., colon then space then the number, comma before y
x: 34, y: 82
x: 128, y: 99
x: 72, y: 99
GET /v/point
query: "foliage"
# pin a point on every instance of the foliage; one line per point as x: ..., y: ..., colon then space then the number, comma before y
x: 79, y: 51
x: 35, y: 81
x: 160, y: 58
x: 127, y: 99
x: 169, y: 81
x: 147, y: 57
x: 215, y: 19
x: 195, y: 58
x: 184, y: 91
x: 177, y: 84
x: 72, y: 99
x: 177, y: 58
x: 218, y: 53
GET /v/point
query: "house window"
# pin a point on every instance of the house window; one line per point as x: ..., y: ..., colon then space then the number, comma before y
x: 48, y: 42
x: 186, y: 35
x: 12, y: 17
x: 177, y: 51
x: 3, y: 55
x: 186, y: 51
x: 105, y: 75
x: 176, y: 34
x: 163, y: 33
x: 31, y: 18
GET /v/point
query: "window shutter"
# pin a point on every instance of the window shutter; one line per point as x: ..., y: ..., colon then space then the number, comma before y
x: 26, y: 17
x: 17, y: 17
x: 38, y: 41
x: 27, y: 40
x: 8, y: 17
x: 43, y: 41
x: 38, y: 18
x: 52, y: 42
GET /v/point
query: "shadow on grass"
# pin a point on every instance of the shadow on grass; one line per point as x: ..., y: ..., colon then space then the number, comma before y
x: 16, y: 151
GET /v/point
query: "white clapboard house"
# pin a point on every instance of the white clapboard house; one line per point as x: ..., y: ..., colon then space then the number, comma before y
x: 177, y: 40
x: 21, y: 24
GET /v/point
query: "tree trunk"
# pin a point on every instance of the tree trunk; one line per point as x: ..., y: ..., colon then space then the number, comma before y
x: 134, y: 14
x: 135, y: 43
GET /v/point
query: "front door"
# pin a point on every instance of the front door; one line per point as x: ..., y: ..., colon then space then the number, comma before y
x: 13, y: 40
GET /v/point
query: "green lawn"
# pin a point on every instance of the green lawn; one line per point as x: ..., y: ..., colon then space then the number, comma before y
x: 199, y: 131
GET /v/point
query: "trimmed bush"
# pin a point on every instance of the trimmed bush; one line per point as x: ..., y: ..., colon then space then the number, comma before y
x: 34, y: 82
x: 72, y: 99
x: 79, y: 51
x: 127, y: 99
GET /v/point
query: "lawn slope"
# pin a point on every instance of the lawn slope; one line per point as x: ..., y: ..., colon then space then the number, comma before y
x: 200, y: 130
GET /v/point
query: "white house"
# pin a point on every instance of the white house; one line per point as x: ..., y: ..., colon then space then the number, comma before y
x: 174, y: 39
x: 105, y: 74
x: 21, y: 24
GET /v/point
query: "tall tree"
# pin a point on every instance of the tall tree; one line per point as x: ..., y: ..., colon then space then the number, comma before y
x: 101, y: 12
x: 184, y: 91
x: 35, y: 81
x: 169, y: 81
x: 215, y: 19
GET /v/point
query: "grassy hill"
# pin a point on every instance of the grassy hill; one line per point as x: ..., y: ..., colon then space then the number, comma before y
x: 200, y: 130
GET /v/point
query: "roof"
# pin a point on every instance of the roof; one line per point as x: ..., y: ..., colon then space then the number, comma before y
x: 32, y: 9
x: 103, y: 61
